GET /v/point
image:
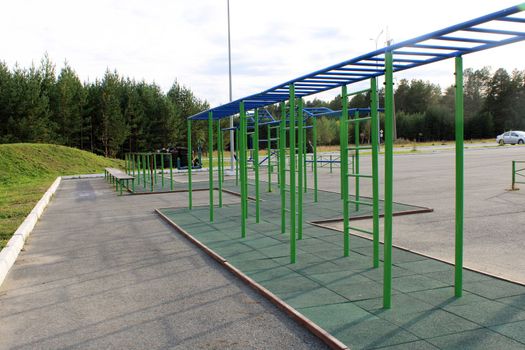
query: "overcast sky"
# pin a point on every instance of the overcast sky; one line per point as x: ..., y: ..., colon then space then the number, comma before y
x: 272, y: 40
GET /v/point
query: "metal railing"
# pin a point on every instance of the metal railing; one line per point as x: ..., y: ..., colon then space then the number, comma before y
x: 517, y: 173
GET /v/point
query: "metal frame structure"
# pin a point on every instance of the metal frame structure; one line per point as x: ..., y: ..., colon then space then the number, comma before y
x: 486, y: 32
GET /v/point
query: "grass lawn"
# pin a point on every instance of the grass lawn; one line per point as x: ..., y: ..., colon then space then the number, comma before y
x: 28, y: 170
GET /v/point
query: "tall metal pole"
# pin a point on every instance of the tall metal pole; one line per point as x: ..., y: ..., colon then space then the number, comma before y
x: 242, y: 158
x: 282, y: 167
x: 190, y: 163
x: 389, y: 174
x: 375, y: 168
x: 293, y: 189
x: 343, y: 125
x: 256, y: 163
x: 210, y: 160
x: 232, y: 135
x: 458, y: 276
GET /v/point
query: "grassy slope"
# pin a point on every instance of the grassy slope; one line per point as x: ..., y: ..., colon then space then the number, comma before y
x: 27, y: 170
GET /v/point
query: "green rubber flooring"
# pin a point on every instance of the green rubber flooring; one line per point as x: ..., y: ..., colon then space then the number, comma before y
x: 344, y: 295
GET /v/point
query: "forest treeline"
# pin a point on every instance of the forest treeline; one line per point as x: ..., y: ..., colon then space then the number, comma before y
x: 116, y: 114
x: 493, y: 103
x: 108, y: 116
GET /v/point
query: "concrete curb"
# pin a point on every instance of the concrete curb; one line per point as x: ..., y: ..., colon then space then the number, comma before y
x: 9, y: 254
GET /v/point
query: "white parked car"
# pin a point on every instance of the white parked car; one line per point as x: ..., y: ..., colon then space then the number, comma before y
x: 512, y: 137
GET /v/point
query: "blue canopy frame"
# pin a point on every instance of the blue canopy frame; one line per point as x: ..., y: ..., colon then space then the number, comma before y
x: 478, y: 34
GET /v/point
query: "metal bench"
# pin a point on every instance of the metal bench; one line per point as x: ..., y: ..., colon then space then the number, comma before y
x: 119, y: 177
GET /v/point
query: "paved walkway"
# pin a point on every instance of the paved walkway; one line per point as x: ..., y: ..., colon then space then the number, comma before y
x: 102, y: 271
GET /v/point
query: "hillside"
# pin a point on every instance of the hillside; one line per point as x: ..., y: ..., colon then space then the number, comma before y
x: 27, y: 170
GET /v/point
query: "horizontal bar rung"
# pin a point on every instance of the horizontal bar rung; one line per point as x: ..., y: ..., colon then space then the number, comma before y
x: 361, y: 175
x: 359, y: 119
x: 359, y: 148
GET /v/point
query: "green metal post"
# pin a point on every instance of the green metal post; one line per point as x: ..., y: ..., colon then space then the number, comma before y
x: 300, y: 168
x: 305, y: 187
x: 344, y: 169
x: 139, y: 174
x: 210, y: 160
x: 237, y: 157
x: 256, y: 162
x: 242, y: 156
x: 269, y: 152
x: 356, y: 160
x: 144, y: 170
x: 389, y: 175
x: 375, y: 168
x: 132, y: 155
x: 220, y: 160
x: 513, y: 175
x: 171, y: 172
x: 314, y: 137
x: 331, y: 163
x: 151, y: 170
x: 292, y: 175
x: 458, y: 275
x: 155, y: 171
x: 342, y: 145
x: 190, y: 164
x: 282, y: 167
x: 162, y: 169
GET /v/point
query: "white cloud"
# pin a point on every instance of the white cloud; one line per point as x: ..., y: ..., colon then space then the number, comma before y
x: 272, y: 41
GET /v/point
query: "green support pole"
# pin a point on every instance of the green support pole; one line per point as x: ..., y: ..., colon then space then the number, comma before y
x: 344, y: 169
x: 133, y: 164
x: 162, y: 169
x: 389, y: 175
x: 190, y: 164
x: 342, y: 145
x: 144, y: 167
x: 171, y: 172
x: 237, y: 157
x: 210, y: 160
x: 458, y: 275
x: 155, y: 172
x: 269, y: 149
x: 300, y: 168
x: 241, y: 157
x: 375, y: 168
x: 151, y: 171
x: 256, y: 163
x: 304, y: 156
x: 292, y: 175
x: 282, y: 167
x: 220, y: 160
x: 356, y: 160
x: 513, y: 187
x: 139, y: 174
x: 314, y: 137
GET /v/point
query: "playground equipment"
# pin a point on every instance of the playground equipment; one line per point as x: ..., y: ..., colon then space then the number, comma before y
x: 149, y: 169
x: 452, y: 42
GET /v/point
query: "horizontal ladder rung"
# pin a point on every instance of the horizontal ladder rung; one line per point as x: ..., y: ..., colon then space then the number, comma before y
x: 359, y: 119
x: 361, y: 175
x: 358, y: 148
